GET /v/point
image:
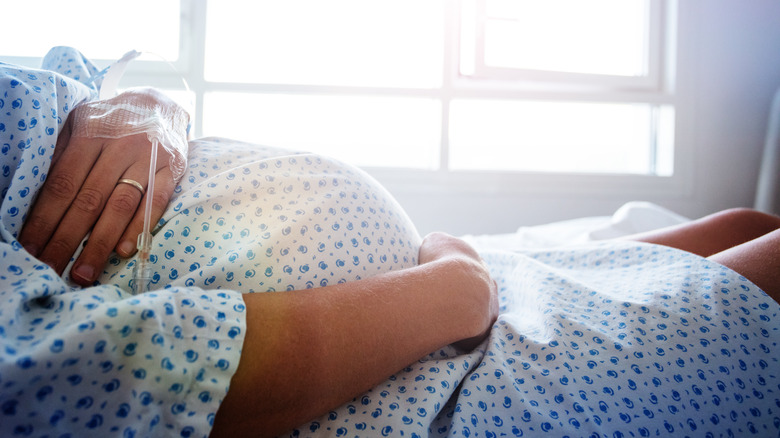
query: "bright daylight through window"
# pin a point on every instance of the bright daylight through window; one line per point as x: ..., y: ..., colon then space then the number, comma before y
x: 101, y: 39
x: 453, y: 86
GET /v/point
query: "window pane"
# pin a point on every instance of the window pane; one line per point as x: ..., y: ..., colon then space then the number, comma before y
x: 99, y: 29
x: 338, y: 42
x: 596, y: 37
x: 365, y: 130
x: 552, y: 137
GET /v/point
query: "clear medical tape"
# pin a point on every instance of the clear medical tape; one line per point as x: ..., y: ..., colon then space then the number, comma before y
x: 164, y: 123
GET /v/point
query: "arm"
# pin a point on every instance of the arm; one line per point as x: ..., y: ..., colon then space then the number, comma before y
x: 309, y: 351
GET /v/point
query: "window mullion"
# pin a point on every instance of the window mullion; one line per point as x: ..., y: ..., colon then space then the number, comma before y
x: 196, y: 55
x: 450, y: 71
x: 655, y: 43
x: 480, y: 20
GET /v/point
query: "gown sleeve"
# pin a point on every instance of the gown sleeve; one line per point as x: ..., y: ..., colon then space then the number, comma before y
x: 95, y: 361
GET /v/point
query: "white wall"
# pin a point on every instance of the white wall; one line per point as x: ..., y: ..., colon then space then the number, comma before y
x: 728, y: 69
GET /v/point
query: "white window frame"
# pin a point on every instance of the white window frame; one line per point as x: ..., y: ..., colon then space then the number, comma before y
x: 656, y: 88
x: 651, y: 81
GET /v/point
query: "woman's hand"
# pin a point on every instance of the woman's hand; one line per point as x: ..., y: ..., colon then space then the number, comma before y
x: 82, y: 192
x: 482, y: 292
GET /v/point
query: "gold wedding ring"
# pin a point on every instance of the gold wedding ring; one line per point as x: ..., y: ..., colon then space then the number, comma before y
x: 133, y: 183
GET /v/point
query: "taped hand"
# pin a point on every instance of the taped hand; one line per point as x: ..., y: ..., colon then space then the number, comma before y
x: 92, y: 186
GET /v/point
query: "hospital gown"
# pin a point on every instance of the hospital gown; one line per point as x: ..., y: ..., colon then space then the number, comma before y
x: 605, y: 339
x: 98, y: 361
x: 243, y: 219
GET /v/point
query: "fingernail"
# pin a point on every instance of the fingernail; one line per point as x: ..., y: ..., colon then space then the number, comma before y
x: 126, y: 248
x: 85, y: 272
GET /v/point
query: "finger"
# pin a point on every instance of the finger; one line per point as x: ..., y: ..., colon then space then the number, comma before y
x: 120, y: 207
x: 439, y: 245
x: 58, y: 192
x: 89, y: 203
x: 163, y: 191
x: 63, y: 140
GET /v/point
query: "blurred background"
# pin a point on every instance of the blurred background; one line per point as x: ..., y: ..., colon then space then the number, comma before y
x: 479, y: 116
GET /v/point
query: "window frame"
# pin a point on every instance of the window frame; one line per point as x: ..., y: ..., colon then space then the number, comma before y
x: 651, y: 81
x: 656, y: 89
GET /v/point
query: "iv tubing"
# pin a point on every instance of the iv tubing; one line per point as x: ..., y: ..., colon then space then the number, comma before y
x: 150, y: 192
x: 142, y: 273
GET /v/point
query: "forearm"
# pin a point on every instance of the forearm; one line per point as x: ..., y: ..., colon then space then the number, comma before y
x: 309, y: 351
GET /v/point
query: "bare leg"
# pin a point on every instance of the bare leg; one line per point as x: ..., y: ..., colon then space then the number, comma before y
x: 758, y: 260
x: 714, y: 233
x: 744, y: 240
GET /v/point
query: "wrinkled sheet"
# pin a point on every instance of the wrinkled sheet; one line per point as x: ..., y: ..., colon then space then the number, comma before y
x: 595, y: 338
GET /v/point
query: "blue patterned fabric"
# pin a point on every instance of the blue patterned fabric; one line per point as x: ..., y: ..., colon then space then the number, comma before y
x: 98, y: 361
x: 614, y: 339
x: 258, y: 219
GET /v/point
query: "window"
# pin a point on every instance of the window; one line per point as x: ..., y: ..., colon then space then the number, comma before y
x: 466, y: 85
x: 377, y: 131
x: 580, y: 87
x: 336, y: 42
x: 435, y: 91
x: 549, y: 136
x: 337, y: 77
x: 95, y: 28
x: 103, y: 32
x: 611, y: 42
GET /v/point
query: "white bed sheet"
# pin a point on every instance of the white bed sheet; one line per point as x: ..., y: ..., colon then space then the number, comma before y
x: 631, y: 218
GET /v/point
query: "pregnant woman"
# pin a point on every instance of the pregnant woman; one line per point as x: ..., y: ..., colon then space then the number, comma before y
x: 286, y: 284
x: 242, y: 219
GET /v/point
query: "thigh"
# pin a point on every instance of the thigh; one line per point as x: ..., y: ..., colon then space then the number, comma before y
x: 714, y: 233
x: 757, y: 260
